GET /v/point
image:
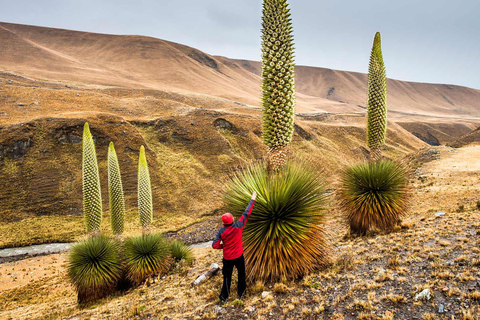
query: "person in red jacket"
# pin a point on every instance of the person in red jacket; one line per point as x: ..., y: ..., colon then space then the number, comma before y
x: 229, y: 238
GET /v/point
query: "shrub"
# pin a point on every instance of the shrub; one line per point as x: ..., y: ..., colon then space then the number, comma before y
x: 280, y: 288
x: 374, y: 194
x: 180, y: 250
x: 146, y: 255
x: 94, y: 267
x: 285, y: 234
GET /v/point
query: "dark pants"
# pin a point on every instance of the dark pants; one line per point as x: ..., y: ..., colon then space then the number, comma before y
x: 227, y: 270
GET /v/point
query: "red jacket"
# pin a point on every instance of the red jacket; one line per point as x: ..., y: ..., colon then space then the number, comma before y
x: 229, y: 238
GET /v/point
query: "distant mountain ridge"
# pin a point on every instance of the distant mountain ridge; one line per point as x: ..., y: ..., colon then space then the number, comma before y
x: 146, y: 62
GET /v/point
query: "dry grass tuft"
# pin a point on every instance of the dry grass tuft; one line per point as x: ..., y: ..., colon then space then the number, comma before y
x: 280, y: 288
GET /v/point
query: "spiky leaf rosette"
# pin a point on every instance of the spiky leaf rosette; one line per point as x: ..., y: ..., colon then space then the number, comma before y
x: 94, y: 267
x: 278, y: 79
x: 115, y: 192
x: 376, y: 100
x: 285, y: 234
x: 145, y: 208
x: 92, y: 196
x: 180, y: 251
x: 374, y: 194
x: 146, y: 255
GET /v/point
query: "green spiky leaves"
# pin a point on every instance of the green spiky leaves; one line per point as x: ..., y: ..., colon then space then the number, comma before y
x: 92, y: 196
x: 145, y: 208
x: 377, y: 99
x: 146, y: 255
x: 374, y: 194
x: 278, y: 74
x: 285, y: 234
x: 115, y: 192
x: 180, y: 251
x: 94, y: 267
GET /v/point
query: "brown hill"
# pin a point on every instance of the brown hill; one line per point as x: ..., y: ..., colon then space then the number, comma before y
x: 197, y: 115
x: 145, y: 62
x: 472, y: 137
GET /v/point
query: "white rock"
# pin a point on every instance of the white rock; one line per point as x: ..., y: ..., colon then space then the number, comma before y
x: 266, y: 294
x: 439, y: 214
x: 381, y: 272
x: 441, y: 308
x: 424, y: 295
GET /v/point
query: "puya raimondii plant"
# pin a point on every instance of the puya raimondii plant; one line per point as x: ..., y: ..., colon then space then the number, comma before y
x: 94, y: 264
x: 285, y: 236
x: 145, y: 207
x: 278, y: 80
x: 94, y: 267
x: 289, y: 211
x: 149, y: 253
x: 115, y: 192
x: 145, y: 256
x: 374, y: 194
x: 92, y: 196
x: 376, y: 101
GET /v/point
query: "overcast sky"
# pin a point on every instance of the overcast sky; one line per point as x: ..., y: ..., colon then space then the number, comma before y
x: 423, y: 40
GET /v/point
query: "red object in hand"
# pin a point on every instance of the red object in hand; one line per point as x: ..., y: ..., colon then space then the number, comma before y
x: 227, y: 218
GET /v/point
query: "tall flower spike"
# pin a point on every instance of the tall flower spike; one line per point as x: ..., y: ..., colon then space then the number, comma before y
x: 278, y: 80
x: 92, y: 196
x: 145, y: 208
x: 115, y: 192
x: 376, y: 101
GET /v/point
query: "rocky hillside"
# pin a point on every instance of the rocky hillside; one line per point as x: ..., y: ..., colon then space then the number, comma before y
x: 472, y: 137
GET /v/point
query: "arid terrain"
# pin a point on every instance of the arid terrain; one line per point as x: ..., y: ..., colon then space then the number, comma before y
x: 372, y: 277
x: 199, y: 117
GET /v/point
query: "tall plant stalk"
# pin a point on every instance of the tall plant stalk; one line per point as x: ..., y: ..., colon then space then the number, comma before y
x: 376, y: 101
x: 145, y: 207
x: 92, y: 196
x: 278, y: 81
x: 115, y: 192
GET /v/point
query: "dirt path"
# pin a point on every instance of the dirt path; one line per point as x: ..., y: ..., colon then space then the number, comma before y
x: 459, y: 160
x: 450, y: 182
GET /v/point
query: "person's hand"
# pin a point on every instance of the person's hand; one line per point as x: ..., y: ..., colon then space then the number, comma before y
x: 254, y: 195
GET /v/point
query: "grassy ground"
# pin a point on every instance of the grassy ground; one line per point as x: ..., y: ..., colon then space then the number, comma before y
x: 372, y: 277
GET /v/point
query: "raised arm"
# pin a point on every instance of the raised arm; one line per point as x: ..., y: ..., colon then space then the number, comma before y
x: 243, y: 219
